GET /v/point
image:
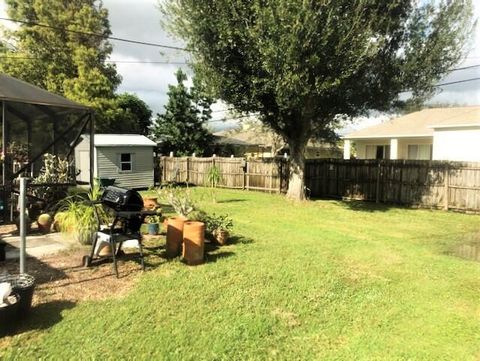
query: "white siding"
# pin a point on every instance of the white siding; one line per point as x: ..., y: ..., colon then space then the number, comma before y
x: 84, y: 168
x: 141, y: 175
x: 457, y: 144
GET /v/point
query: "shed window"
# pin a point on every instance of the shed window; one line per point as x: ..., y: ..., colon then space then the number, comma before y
x: 125, y: 162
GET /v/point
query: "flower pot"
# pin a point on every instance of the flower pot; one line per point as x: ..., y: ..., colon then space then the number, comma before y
x: 174, y: 236
x: 44, y: 223
x: 2, y: 251
x: 153, y: 228
x: 221, y: 237
x: 193, y: 242
x: 9, y: 315
x: 150, y: 203
x: 24, y: 285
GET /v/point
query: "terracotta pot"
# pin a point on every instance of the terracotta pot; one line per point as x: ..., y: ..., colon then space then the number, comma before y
x: 174, y: 236
x: 193, y: 242
x: 104, y: 250
x: 150, y: 203
x: 221, y: 237
x: 44, y: 223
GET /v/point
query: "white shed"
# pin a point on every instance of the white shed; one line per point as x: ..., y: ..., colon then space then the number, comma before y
x: 126, y: 157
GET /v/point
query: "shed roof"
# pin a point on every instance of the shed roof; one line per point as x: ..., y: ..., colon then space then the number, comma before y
x: 15, y: 90
x: 112, y: 140
x: 421, y: 123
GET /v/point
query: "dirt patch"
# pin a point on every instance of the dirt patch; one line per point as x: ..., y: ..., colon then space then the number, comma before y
x: 62, y: 277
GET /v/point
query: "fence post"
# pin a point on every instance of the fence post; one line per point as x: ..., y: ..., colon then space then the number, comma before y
x: 446, y: 180
x: 187, y: 176
x: 280, y: 176
x: 164, y: 170
x: 337, y: 176
x: 377, y: 189
x: 247, y: 176
x: 270, y: 184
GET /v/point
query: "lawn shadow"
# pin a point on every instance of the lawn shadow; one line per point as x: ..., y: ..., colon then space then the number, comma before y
x: 214, y: 257
x: 44, y: 316
x: 366, y: 206
x: 42, y: 271
x: 239, y: 240
x: 232, y: 200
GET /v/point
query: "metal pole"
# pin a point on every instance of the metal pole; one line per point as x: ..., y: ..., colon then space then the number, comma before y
x: 23, y: 223
x: 92, y: 150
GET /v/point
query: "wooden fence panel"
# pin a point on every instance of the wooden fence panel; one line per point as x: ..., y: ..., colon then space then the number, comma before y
x: 432, y: 184
x: 231, y: 170
x: 199, y: 168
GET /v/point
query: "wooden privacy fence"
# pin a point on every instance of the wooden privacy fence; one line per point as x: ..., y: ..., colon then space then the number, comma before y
x: 269, y: 175
x: 431, y: 184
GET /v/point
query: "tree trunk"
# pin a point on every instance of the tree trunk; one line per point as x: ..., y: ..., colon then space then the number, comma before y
x: 296, y: 182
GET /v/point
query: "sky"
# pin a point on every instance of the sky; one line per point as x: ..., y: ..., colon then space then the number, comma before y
x: 140, y: 20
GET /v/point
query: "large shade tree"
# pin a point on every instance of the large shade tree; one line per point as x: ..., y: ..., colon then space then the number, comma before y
x: 62, y: 46
x: 300, y: 64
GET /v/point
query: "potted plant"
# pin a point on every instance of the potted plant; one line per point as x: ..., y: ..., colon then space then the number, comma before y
x: 44, y: 222
x: 219, y: 227
x: 77, y: 216
x: 153, y: 224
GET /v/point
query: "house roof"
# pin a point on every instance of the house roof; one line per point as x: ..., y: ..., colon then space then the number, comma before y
x: 222, y: 139
x: 260, y: 138
x: 246, y: 136
x: 15, y: 90
x: 421, y: 123
x: 112, y: 140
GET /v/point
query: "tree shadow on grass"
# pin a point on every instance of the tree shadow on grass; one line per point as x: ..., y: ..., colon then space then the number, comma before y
x: 232, y: 200
x: 365, y: 206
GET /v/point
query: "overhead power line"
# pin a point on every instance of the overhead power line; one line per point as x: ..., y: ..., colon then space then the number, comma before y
x: 138, y: 42
x: 457, y: 82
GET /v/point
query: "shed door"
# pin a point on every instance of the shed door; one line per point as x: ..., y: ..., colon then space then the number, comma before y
x: 84, y: 166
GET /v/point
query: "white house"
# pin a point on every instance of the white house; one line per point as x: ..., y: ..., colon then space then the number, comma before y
x: 128, y: 158
x: 432, y: 134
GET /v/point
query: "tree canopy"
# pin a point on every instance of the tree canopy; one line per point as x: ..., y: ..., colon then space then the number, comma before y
x: 300, y: 64
x: 131, y: 115
x: 53, y: 48
x: 182, y: 128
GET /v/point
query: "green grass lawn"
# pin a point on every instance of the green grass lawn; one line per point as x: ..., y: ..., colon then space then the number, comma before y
x: 317, y: 280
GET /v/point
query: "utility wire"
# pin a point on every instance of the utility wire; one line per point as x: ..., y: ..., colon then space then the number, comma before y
x: 457, y: 82
x: 32, y: 23
x: 177, y: 63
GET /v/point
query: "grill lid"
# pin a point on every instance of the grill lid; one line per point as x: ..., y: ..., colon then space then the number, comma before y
x: 121, y: 199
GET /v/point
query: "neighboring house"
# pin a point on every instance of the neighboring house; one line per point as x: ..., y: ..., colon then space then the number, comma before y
x: 431, y: 134
x: 126, y: 157
x: 250, y: 142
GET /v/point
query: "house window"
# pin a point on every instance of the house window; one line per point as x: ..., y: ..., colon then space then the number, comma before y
x: 420, y: 151
x: 377, y: 152
x: 126, y: 162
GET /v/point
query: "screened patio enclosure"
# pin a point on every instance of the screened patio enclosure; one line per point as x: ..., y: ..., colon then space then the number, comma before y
x: 36, y: 122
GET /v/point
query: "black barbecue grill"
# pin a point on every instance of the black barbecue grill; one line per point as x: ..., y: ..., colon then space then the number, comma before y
x: 127, y: 208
